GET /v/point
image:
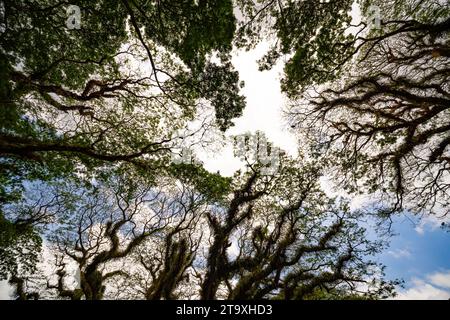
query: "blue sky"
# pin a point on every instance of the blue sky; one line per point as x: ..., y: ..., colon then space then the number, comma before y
x: 419, y: 254
x: 415, y: 252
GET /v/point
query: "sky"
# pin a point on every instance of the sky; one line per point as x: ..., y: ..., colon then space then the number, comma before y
x: 420, y: 254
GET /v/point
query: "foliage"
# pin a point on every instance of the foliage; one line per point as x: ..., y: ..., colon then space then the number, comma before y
x: 77, y: 103
x: 20, y: 248
x: 91, y: 118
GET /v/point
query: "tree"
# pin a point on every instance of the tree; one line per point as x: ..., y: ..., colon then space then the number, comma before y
x: 275, y: 237
x: 101, y: 93
x: 81, y: 92
x: 280, y: 237
x: 386, y: 121
x: 109, y: 222
x: 93, y: 116
x: 22, y: 224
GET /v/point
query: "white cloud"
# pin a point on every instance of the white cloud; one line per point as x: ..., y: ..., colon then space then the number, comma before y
x: 222, y: 161
x: 430, y: 221
x: 420, y: 229
x: 400, y: 253
x: 5, y: 290
x: 264, y: 99
x: 263, y: 111
x: 441, y: 279
x: 433, y: 288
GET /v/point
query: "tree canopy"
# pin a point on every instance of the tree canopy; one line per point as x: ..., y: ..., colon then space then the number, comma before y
x: 276, y: 237
x: 98, y: 98
x: 83, y: 100
x: 386, y: 119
